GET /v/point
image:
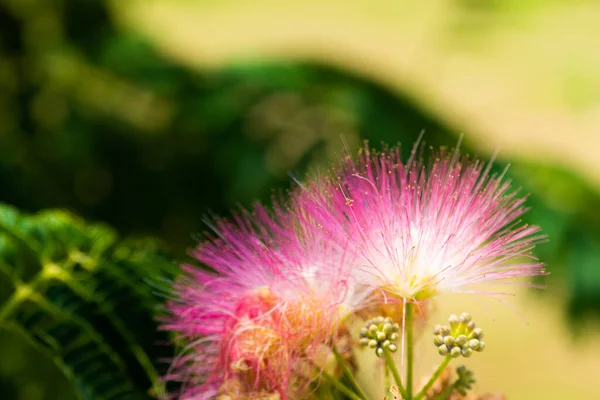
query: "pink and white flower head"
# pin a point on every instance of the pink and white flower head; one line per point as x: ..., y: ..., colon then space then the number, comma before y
x: 274, y: 296
x: 424, y: 229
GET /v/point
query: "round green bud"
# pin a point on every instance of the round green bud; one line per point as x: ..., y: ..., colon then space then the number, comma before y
x: 474, y: 344
x: 438, y: 340
x: 481, y: 346
x: 385, y: 344
x: 381, y: 336
x: 363, y: 332
x: 449, y: 341
x: 455, y: 352
x: 437, y: 329
x: 461, y: 340
x: 373, y: 328
x: 396, y: 327
x: 466, y: 352
x: 379, y: 320
x: 387, y: 327
x: 454, y: 321
x: 364, y: 342
x: 393, y: 348
x: 393, y: 336
x: 379, y: 352
x: 443, y: 350
x: 477, y: 333
x: 465, y: 318
x: 445, y: 331
x: 372, y: 343
x: 470, y: 326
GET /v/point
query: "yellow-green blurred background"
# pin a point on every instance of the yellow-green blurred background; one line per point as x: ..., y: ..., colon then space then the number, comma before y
x: 149, y: 114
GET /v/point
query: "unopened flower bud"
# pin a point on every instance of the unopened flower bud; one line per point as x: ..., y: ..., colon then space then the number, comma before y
x: 455, y: 352
x: 387, y: 327
x: 443, y: 350
x: 454, y: 321
x: 380, y: 332
x: 449, y: 341
x: 477, y: 333
x: 393, y: 348
x: 364, y: 342
x: 470, y: 326
x: 461, y: 340
x: 481, y: 346
x: 363, y: 332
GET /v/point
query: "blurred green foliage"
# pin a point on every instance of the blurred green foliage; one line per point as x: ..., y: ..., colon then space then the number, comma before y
x: 85, y: 300
x: 93, y: 119
x: 96, y: 121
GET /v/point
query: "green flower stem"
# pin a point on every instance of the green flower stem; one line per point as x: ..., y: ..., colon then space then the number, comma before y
x: 348, y: 372
x: 387, y: 382
x: 392, y: 366
x: 408, y: 309
x: 446, y: 393
x: 433, y: 378
x: 341, y: 387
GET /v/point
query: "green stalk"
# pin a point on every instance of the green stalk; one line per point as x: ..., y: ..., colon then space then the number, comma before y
x: 408, y: 309
x: 387, y: 379
x: 348, y: 372
x: 433, y: 378
x: 392, y: 366
x: 341, y: 387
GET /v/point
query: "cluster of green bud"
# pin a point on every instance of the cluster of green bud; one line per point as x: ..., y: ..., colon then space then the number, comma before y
x: 462, y: 337
x: 379, y: 333
x: 465, y: 380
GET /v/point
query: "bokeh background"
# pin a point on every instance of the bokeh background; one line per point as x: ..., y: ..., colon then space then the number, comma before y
x: 149, y: 115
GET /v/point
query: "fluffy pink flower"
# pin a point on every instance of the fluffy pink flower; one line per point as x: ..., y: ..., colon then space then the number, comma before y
x: 422, y: 229
x: 275, y: 293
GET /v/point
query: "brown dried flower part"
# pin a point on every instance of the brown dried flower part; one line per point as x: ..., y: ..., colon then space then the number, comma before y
x: 323, y: 358
x: 491, y: 396
x: 345, y: 344
x: 395, y: 393
x: 250, y: 396
x: 446, y: 379
x: 234, y: 389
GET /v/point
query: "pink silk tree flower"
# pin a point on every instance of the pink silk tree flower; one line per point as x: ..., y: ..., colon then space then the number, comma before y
x: 424, y: 229
x: 274, y: 296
